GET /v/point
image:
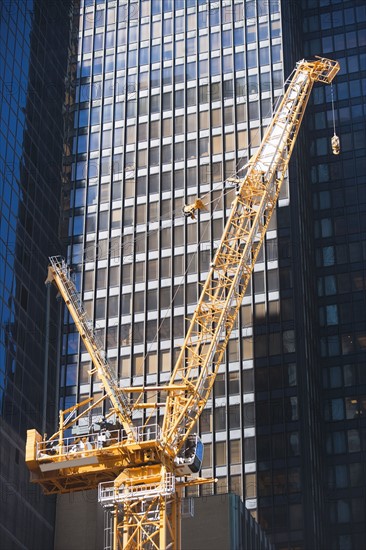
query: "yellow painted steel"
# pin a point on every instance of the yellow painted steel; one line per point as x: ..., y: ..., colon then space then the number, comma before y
x: 136, y: 471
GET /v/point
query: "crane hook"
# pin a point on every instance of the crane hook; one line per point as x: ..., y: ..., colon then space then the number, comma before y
x: 336, y: 145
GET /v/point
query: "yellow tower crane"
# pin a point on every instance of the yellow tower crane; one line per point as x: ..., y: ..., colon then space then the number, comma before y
x: 142, y: 470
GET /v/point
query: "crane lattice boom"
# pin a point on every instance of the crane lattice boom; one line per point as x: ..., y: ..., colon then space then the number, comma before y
x: 222, y: 295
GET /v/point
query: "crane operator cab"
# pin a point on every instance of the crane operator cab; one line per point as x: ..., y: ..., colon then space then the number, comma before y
x: 189, y: 460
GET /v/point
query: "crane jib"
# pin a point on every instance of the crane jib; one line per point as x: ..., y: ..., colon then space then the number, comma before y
x: 234, y: 261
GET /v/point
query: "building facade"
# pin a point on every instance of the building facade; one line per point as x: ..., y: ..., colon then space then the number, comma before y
x: 222, y: 522
x: 33, y: 61
x: 339, y: 202
x: 168, y: 99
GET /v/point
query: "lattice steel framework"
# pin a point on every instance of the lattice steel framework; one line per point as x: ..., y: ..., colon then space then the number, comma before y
x: 222, y: 295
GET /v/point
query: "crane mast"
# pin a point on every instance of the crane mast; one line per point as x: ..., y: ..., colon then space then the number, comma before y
x: 142, y: 470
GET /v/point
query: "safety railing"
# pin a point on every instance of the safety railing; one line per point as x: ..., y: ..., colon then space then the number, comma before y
x: 84, y: 444
x: 109, y: 494
x: 151, y: 432
x: 76, y: 446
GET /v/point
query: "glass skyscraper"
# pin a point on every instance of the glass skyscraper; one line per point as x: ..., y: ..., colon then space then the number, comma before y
x: 33, y: 61
x: 166, y: 101
x: 339, y: 203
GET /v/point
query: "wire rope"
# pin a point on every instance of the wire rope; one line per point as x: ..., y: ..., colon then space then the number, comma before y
x: 175, y: 294
x: 333, y: 109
